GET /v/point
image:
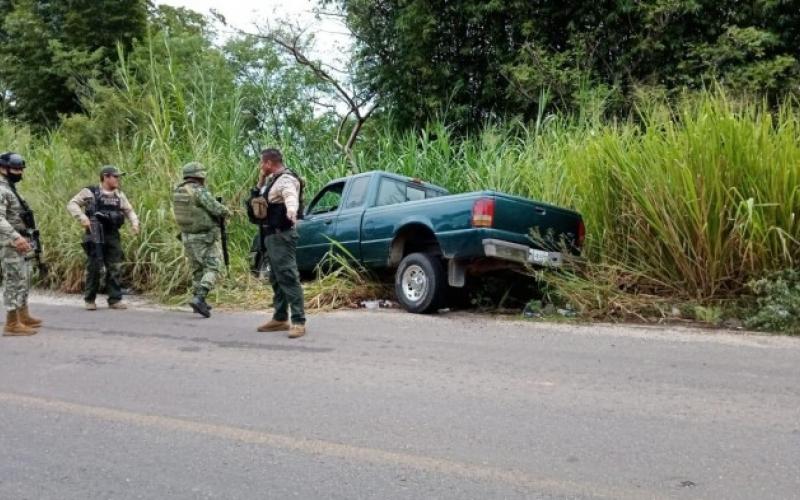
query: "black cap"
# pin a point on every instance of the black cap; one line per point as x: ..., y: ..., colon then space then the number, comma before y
x: 110, y: 170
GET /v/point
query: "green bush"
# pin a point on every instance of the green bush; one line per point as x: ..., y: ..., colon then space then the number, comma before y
x: 777, y: 302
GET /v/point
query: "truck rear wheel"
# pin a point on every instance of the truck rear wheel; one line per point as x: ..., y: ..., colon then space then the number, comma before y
x: 420, y: 282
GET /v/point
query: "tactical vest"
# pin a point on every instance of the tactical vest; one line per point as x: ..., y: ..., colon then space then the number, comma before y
x: 276, y: 212
x: 190, y: 216
x: 107, y: 208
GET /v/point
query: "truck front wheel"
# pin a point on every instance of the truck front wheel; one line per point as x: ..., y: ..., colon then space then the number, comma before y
x: 419, y: 283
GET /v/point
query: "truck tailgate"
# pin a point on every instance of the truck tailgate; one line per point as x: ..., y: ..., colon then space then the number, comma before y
x: 556, y: 226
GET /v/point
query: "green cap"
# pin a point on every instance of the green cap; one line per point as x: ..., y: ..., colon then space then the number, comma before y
x: 110, y: 170
x: 194, y: 169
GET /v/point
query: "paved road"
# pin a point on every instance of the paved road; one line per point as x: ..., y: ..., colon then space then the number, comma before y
x: 156, y: 404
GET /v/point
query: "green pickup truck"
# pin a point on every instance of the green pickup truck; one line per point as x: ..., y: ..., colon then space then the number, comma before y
x: 430, y: 238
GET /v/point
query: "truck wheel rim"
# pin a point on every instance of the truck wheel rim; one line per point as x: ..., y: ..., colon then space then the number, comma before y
x: 415, y: 283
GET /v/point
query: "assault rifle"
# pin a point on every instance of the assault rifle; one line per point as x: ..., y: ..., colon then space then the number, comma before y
x: 224, y: 237
x: 95, y: 236
x: 32, y: 232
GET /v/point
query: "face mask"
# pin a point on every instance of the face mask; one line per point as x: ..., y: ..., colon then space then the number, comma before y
x: 14, y: 178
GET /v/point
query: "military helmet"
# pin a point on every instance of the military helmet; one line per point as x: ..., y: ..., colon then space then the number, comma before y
x: 194, y: 169
x: 12, y: 160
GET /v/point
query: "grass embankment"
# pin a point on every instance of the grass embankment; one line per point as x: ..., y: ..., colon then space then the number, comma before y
x: 684, y: 204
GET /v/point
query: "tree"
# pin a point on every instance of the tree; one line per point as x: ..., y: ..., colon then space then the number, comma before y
x: 357, y: 101
x: 359, y: 104
x: 50, y: 50
x: 478, y: 59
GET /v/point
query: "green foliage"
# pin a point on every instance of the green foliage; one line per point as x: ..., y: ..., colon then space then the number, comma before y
x: 689, y: 201
x: 686, y: 200
x: 49, y: 51
x: 708, y: 314
x: 476, y: 60
x: 176, y: 98
x: 778, y: 302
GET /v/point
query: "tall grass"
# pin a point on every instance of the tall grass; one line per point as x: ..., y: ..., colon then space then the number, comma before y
x: 163, y: 114
x: 687, y: 200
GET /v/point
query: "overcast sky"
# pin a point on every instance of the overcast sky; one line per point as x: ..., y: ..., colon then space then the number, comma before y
x: 245, y: 14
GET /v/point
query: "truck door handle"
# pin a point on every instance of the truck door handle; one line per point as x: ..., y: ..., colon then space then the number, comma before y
x: 541, y: 211
x: 328, y: 222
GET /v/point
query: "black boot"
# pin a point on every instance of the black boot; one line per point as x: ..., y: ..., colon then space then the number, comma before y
x: 199, y: 305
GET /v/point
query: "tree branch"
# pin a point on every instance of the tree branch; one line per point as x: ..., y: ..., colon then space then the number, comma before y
x: 360, y: 106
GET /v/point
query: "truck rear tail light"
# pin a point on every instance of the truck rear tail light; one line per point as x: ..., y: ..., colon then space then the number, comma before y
x: 483, y: 213
x: 581, y: 233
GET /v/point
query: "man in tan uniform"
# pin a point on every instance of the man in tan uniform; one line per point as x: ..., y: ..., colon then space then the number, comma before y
x: 283, y: 191
x: 102, y: 210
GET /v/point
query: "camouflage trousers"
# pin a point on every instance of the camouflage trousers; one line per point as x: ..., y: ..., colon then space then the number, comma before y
x: 205, y: 259
x: 16, y: 278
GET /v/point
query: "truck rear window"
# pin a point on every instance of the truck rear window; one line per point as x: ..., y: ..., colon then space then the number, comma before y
x: 391, y: 192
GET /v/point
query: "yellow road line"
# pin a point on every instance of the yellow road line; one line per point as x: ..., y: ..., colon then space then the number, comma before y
x: 326, y: 448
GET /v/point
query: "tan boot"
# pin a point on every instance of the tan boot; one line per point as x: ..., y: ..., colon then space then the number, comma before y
x: 274, y: 326
x: 14, y: 328
x: 91, y: 306
x: 297, y: 331
x: 118, y: 305
x: 25, y: 318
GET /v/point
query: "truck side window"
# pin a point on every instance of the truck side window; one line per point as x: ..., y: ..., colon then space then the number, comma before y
x: 391, y: 192
x: 327, y: 201
x: 414, y: 193
x: 358, y: 193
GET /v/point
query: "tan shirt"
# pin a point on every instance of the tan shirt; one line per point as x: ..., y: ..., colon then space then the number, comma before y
x: 78, y: 203
x: 285, y: 190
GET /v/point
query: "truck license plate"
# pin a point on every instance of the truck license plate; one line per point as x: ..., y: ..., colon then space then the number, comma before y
x: 540, y: 257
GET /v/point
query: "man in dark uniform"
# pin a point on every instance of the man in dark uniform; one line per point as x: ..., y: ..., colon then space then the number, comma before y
x: 106, y: 207
x: 282, y: 189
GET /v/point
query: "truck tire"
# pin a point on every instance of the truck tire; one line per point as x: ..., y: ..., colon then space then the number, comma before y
x: 420, y: 282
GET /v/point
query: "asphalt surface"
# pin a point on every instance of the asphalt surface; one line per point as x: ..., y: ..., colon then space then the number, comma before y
x: 147, y: 403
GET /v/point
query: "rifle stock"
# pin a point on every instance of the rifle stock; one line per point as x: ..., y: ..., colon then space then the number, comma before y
x: 224, y: 237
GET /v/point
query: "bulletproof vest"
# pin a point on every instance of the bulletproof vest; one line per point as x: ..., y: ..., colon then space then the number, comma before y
x: 190, y: 216
x: 276, y: 212
x: 107, y: 208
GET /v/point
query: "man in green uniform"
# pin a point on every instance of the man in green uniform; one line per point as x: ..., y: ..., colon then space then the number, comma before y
x: 197, y: 214
x: 283, y: 191
x: 102, y: 210
x: 16, y: 249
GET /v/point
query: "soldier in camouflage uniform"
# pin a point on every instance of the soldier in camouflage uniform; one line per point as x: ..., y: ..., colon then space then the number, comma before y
x: 197, y: 214
x: 16, y: 250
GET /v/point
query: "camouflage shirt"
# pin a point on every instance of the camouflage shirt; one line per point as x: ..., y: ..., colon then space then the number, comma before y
x: 195, y: 209
x: 209, y: 203
x: 11, y: 224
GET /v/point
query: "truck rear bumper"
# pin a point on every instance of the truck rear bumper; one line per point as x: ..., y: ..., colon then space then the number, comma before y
x: 522, y: 254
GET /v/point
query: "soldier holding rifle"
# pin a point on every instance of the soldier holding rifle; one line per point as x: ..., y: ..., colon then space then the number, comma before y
x: 18, y: 246
x: 201, y: 221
